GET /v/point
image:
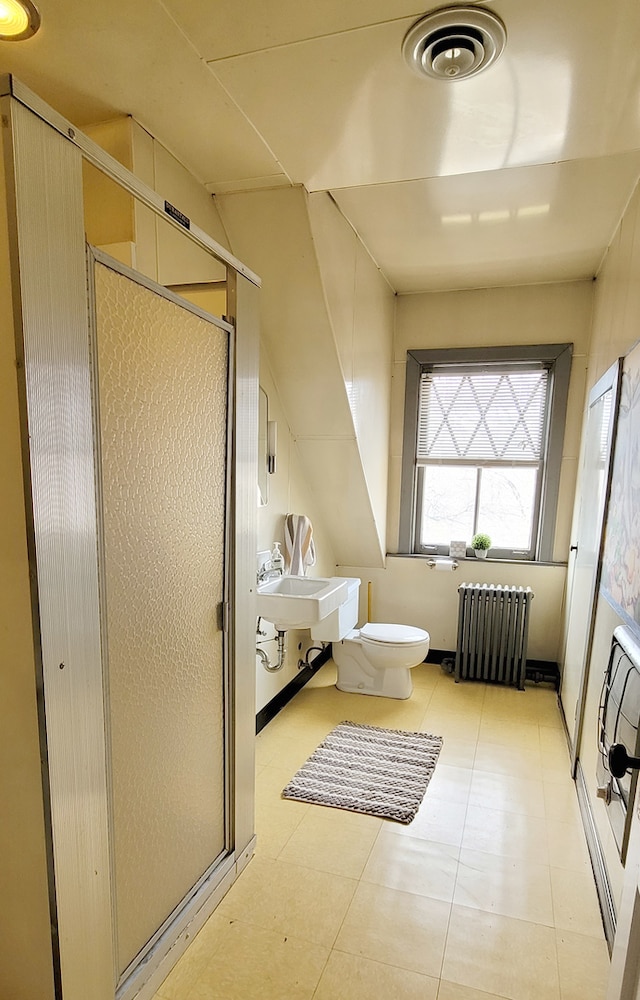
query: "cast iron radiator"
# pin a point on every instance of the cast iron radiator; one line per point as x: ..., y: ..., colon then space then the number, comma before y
x: 493, y: 626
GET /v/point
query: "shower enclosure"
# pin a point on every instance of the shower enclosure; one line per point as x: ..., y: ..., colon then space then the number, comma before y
x: 136, y: 415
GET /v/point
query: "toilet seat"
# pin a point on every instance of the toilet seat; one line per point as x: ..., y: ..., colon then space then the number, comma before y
x: 376, y: 633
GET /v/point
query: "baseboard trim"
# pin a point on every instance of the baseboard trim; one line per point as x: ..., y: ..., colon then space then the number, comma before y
x: 538, y: 671
x: 271, y: 709
x: 543, y: 671
x: 438, y: 655
x: 600, y: 873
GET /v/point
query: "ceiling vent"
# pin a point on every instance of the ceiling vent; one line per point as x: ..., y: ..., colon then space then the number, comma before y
x: 454, y: 43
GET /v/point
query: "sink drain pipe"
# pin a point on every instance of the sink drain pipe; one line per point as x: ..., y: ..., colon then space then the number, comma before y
x: 270, y: 667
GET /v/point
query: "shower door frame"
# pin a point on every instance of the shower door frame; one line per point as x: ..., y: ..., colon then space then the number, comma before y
x: 43, y: 156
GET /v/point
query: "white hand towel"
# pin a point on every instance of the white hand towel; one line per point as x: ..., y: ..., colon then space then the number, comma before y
x: 298, y: 540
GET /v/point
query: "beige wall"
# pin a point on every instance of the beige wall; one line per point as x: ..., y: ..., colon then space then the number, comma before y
x: 495, y: 317
x: 26, y: 971
x: 616, y: 327
x: 210, y: 296
x: 406, y: 591
x: 361, y: 308
x: 177, y: 260
x: 325, y: 364
x: 328, y: 356
x: 289, y: 493
x: 134, y: 234
x: 616, y: 320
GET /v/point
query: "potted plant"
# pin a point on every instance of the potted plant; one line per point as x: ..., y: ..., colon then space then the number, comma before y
x: 480, y: 543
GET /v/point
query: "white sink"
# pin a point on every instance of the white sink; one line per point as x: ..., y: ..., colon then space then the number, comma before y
x: 300, y: 601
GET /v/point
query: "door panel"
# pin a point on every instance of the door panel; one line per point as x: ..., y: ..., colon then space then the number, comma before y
x: 162, y: 375
x: 594, y: 489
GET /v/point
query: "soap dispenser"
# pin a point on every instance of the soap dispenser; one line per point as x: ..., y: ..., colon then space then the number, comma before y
x: 277, y: 559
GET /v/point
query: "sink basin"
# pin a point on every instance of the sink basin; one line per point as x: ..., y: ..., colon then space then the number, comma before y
x: 300, y: 601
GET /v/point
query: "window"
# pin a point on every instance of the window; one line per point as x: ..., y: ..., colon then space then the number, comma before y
x: 483, y: 447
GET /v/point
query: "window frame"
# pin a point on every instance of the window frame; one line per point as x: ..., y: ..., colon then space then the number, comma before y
x: 558, y: 358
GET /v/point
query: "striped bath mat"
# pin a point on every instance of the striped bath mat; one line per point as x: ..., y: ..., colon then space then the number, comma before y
x: 366, y: 769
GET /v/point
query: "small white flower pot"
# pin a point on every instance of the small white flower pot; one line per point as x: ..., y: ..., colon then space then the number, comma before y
x: 481, y: 553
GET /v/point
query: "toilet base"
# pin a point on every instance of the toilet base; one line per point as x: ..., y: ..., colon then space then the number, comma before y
x: 402, y: 690
x: 357, y: 676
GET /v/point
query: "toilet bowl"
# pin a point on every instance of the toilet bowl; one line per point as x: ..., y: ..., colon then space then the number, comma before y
x: 376, y: 659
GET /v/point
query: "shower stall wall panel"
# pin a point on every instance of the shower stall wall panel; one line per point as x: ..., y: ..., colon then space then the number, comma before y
x: 50, y: 289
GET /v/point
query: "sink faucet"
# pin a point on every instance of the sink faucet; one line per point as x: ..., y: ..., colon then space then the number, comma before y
x: 267, y: 572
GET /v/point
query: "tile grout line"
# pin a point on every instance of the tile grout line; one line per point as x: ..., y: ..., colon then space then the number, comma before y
x: 359, y: 882
x: 477, y: 711
x: 455, y: 881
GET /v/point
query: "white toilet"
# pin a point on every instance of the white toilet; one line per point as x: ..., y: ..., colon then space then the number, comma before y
x: 376, y: 659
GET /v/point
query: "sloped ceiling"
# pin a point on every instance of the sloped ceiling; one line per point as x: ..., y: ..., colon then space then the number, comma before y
x: 518, y: 175
x: 334, y: 388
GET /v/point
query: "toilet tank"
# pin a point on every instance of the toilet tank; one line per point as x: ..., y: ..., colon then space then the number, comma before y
x: 340, y: 622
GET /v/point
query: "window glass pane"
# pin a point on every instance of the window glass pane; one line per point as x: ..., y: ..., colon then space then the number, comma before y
x: 448, y: 504
x: 507, y: 503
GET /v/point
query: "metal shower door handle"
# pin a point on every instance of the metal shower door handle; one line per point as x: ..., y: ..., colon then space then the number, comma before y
x: 620, y: 762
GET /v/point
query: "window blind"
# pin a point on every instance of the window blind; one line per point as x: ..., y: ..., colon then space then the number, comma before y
x: 482, y: 416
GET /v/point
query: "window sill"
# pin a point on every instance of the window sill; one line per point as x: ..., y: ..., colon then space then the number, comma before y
x: 472, y: 559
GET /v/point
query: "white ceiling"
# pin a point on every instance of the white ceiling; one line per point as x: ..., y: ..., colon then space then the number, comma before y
x: 520, y: 175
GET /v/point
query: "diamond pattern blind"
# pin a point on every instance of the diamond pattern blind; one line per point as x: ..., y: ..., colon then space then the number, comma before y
x: 482, y: 416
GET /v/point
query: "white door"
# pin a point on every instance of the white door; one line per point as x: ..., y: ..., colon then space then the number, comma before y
x: 594, y: 483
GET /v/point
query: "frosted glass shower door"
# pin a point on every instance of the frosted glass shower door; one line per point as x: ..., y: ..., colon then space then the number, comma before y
x: 162, y: 387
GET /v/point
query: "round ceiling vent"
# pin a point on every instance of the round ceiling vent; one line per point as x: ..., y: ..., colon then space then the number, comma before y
x: 454, y: 43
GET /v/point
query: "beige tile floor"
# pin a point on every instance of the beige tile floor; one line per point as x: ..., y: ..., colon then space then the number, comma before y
x: 487, y: 894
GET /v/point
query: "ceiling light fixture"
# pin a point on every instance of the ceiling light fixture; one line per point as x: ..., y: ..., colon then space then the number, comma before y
x: 454, y: 43
x: 18, y: 19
